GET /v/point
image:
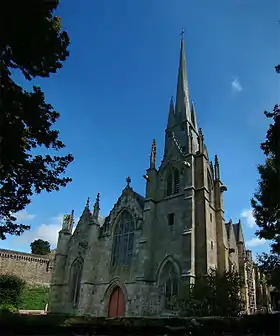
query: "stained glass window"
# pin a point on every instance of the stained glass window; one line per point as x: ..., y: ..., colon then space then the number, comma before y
x: 123, y: 240
x: 75, y: 280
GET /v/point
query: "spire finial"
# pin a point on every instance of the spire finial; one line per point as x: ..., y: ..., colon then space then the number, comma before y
x: 72, y: 220
x: 182, y: 34
x: 153, y: 155
x: 217, y: 168
x: 87, y: 203
x: 128, y: 181
x: 96, y: 207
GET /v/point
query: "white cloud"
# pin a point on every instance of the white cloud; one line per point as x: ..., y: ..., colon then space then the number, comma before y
x: 23, y: 216
x: 47, y: 232
x: 236, y: 86
x: 255, y: 242
x: 50, y: 231
x: 248, y: 216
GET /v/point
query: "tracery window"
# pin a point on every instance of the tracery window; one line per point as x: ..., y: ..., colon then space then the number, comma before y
x: 75, y: 280
x: 123, y: 240
x: 173, y: 182
x: 169, y: 283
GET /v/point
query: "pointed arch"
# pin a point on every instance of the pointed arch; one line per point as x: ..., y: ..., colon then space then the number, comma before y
x: 123, y: 239
x: 210, y: 187
x: 114, y: 285
x: 172, y: 181
x: 168, y: 280
x: 75, y: 280
x: 169, y: 183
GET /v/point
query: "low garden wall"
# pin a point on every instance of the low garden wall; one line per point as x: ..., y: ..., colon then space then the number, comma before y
x: 58, y: 325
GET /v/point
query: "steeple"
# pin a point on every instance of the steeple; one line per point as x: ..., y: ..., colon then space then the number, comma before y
x: 182, y: 109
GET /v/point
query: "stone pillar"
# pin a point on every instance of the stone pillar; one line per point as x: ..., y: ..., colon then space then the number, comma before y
x: 58, y: 284
x: 87, y: 286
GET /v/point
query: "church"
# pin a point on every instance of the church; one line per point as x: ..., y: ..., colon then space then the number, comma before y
x: 150, y: 247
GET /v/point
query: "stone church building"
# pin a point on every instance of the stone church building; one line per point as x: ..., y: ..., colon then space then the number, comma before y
x: 143, y: 253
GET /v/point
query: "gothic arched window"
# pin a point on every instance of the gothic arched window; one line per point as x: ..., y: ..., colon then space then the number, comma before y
x: 210, y: 188
x: 173, y: 182
x: 169, y: 283
x: 75, y: 280
x: 169, y: 186
x: 123, y: 240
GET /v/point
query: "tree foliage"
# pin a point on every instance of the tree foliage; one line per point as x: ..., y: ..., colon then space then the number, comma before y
x: 32, y: 42
x: 11, y: 290
x: 269, y: 264
x: 40, y: 246
x: 266, y: 200
x: 214, y: 295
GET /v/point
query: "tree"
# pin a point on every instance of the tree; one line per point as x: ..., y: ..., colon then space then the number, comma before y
x: 40, y: 246
x: 11, y: 291
x: 214, y: 295
x: 269, y: 264
x: 266, y: 201
x: 36, y: 47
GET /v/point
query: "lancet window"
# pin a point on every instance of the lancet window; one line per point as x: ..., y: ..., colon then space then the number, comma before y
x: 123, y: 240
x: 75, y: 280
x: 210, y: 188
x: 169, y: 283
x: 173, y: 182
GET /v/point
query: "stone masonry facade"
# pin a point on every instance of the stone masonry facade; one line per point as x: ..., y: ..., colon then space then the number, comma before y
x: 34, y: 269
x: 148, y: 249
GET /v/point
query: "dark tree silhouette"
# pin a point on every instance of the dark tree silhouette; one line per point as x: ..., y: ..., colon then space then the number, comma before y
x: 269, y: 264
x: 266, y: 200
x: 40, y: 246
x: 32, y: 42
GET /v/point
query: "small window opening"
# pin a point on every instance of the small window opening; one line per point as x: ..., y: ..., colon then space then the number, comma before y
x: 171, y: 219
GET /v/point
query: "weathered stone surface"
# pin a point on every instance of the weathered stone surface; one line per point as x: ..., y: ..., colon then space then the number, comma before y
x: 179, y: 232
x: 34, y: 269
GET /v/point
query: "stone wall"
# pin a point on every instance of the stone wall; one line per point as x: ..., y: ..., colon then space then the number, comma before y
x: 34, y: 269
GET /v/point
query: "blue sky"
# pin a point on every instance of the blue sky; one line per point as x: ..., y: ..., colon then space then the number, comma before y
x: 114, y: 90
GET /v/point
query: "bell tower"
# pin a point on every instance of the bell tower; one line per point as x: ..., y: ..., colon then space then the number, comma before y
x: 170, y: 196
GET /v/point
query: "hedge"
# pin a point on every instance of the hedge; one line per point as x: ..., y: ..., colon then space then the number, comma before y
x: 65, y: 325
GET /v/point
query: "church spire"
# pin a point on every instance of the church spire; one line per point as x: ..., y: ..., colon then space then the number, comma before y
x: 182, y: 109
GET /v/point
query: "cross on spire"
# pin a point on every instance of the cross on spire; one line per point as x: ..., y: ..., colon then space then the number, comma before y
x: 182, y: 33
x: 128, y: 181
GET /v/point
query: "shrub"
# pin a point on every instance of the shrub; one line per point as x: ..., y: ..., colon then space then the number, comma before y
x: 213, y: 295
x: 11, y: 290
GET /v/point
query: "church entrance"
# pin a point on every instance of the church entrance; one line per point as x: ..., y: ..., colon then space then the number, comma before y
x: 116, y: 303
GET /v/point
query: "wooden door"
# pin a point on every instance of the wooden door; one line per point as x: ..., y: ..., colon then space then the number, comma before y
x: 116, y: 303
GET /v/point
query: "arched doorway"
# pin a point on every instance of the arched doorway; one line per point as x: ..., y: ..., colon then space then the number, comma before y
x: 116, y: 303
